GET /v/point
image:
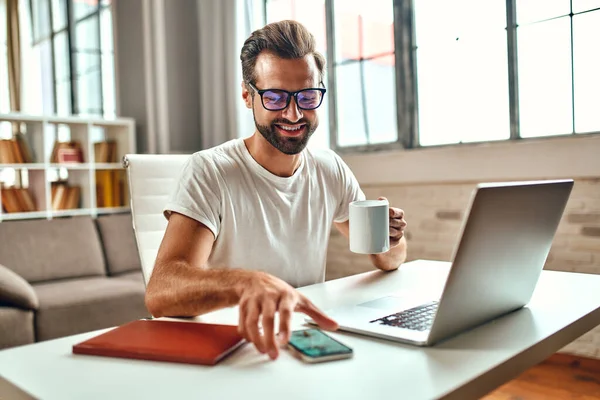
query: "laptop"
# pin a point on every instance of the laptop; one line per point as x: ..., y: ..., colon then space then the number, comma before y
x: 504, y: 242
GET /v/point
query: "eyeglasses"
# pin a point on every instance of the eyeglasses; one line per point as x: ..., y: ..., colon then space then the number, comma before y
x: 279, y: 99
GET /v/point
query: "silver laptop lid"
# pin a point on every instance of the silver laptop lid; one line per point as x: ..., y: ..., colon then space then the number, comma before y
x: 506, y: 236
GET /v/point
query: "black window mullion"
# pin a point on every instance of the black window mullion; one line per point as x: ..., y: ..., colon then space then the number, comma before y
x: 572, y: 69
x: 50, y: 36
x: 513, y: 68
x: 406, y: 74
x: 369, y: 58
x: 53, y: 56
x: 33, y: 30
x: 331, y: 73
x: 100, y: 75
x: 90, y: 15
x: 585, y: 11
x: 361, y: 68
x: 543, y: 20
x: 72, y: 59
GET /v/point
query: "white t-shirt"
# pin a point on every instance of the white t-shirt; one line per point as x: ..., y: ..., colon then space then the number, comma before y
x: 262, y: 221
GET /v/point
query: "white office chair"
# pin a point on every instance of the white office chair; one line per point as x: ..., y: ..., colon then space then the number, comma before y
x: 152, y: 179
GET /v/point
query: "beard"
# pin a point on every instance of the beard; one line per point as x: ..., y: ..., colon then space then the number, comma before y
x: 285, y: 144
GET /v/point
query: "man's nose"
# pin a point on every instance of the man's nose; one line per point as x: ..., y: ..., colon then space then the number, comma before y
x: 292, y: 112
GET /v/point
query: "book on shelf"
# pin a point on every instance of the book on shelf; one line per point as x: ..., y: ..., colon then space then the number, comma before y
x: 105, y: 152
x: 15, y: 151
x: 110, y: 188
x: 67, y: 152
x: 64, y: 197
x: 16, y: 200
x: 25, y: 147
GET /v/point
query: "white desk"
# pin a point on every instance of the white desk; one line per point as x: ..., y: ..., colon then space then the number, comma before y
x: 564, y: 306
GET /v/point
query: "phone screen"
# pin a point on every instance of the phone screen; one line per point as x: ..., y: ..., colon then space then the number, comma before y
x: 314, y: 343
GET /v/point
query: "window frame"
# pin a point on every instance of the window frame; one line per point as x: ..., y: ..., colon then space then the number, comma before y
x: 70, y: 27
x: 407, y: 86
x: 403, y: 139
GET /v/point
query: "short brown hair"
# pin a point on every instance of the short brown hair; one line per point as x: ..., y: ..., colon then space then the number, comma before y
x: 286, y: 39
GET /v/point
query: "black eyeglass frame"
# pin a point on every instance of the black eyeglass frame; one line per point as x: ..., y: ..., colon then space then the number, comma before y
x: 289, y: 98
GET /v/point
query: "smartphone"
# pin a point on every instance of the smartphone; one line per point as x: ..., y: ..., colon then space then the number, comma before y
x: 313, y: 345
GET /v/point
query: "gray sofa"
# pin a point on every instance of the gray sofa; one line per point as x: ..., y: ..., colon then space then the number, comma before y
x: 68, y: 275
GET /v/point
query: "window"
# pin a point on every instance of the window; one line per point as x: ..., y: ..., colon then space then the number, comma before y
x: 462, y: 71
x: 311, y: 13
x: 76, y: 58
x: 471, y: 71
x: 363, y: 63
x: 365, y: 72
x: 557, y: 67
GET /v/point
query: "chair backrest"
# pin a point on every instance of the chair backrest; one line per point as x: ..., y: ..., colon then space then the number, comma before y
x: 152, y: 179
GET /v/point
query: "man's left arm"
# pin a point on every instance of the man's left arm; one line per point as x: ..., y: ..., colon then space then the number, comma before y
x: 393, y: 258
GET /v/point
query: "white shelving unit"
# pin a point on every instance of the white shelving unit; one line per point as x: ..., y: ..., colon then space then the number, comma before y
x: 42, y: 132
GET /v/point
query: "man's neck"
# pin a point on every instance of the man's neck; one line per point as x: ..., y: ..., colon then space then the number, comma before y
x: 270, y: 158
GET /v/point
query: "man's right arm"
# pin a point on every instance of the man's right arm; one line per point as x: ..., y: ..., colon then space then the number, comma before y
x: 180, y: 285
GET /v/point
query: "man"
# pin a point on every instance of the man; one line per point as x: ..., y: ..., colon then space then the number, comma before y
x: 251, y: 218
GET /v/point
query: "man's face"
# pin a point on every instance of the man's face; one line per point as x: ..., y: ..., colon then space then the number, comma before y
x: 287, y: 130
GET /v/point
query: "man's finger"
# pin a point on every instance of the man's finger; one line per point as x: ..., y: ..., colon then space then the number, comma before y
x: 251, y: 326
x: 396, y: 233
x: 243, y: 311
x: 397, y: 223
x: 286, y: 306
x: 396, y: 212
x: 307, y: 307
x: 268, y: 322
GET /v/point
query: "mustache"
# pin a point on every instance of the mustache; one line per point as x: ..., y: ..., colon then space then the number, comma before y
x: 288, y: 122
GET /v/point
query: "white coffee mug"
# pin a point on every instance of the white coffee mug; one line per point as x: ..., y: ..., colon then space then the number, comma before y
x: 369, y: 226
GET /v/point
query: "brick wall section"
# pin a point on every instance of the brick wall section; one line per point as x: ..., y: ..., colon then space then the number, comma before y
x: 434, y: 214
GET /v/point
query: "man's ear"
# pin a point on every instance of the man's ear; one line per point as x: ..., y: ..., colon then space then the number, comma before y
x: 246, y: 95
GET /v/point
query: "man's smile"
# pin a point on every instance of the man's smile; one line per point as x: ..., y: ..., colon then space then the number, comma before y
x: 291, y: 130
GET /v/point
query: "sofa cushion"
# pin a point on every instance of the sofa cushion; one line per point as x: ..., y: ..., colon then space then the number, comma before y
x: 15, y: 291
x: 16, y: 327
x: 86, y: 304
x: 42, y: 250
x: 118, y: 239
x: 136, y: 276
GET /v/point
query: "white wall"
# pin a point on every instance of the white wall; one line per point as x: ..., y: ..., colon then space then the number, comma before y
x: 556, y: 157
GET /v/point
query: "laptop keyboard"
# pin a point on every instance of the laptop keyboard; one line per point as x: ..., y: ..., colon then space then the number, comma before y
x: 418, y: 318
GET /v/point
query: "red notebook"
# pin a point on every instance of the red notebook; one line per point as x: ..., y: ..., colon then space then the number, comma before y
x: 173, y: 341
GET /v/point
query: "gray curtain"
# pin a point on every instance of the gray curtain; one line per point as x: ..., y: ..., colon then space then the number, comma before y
x: 218, y: 81
x: 223, y: 26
